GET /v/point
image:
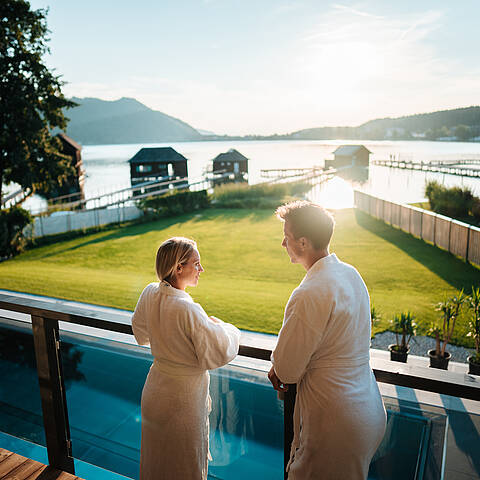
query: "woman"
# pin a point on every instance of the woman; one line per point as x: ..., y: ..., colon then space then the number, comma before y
x: 185, y: 344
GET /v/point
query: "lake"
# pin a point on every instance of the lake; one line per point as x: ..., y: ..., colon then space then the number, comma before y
x: 107, y: 167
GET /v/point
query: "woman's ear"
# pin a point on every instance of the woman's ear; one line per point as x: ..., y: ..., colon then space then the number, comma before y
x: 179, y: 268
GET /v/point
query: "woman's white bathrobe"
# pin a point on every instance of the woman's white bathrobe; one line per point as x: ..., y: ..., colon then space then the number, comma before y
x: 323, y: 346
x: 185, y: 344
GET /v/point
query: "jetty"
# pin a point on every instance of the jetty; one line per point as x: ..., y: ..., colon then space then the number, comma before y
x: 463, y: 168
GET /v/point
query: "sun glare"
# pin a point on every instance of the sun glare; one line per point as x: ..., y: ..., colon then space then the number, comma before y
x: 335, y: 194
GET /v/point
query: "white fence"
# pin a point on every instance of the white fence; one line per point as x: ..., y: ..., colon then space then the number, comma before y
x: 456, y: 237
x: 79, y: 220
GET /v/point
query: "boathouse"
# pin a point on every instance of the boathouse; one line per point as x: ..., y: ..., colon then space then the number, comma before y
x: 232, y: 162
x: 349, y: 156
x: 73, y: 185
x: 157, y: 164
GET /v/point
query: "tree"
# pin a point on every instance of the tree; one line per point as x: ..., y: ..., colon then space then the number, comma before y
x: 31, y: 102
x: 463, y: 132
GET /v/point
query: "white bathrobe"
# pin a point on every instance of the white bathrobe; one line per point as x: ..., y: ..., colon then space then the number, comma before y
x: 323, y: 346
x: 185, y: 344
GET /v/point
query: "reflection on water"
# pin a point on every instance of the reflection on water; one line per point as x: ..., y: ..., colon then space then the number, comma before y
x: 107, y: 166
x: 335, y: 194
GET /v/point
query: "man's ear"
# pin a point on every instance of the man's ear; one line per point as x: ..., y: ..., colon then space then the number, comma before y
x: 303, y: 242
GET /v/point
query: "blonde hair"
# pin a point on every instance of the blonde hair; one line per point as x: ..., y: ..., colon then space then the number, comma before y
x: 171, y: 253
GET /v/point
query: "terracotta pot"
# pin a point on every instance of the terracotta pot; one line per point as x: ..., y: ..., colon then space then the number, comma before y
x: 439, y: 362
x: 473, y: 367
x: 398, y: 355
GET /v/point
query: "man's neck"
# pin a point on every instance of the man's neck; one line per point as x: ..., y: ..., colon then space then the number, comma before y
x: 313, y: 257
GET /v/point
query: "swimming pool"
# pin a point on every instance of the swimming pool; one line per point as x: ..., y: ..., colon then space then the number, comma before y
x: 104, y: 381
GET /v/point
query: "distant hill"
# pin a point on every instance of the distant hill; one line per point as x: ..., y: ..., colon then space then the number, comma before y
x: 97, y: 122
x: 458, y: 124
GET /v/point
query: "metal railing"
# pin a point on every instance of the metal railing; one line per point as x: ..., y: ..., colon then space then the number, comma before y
x: 45, y: 317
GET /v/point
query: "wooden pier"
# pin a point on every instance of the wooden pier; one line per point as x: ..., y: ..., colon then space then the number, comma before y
x: 456, y: 168
x: 16, y: 467
x: 302, y: 174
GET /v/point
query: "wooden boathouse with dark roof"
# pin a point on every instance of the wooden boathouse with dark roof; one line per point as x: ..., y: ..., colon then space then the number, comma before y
x: 75, y: 181
x: 157, y: 164
x: 349, y: 156
x: 232, y: 162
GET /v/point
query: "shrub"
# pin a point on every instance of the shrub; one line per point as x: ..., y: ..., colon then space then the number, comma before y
x: 263, y: 195
x: 456, y: 202
x: 12, y: 223
x: 176, y: 203
x: 476, y: 209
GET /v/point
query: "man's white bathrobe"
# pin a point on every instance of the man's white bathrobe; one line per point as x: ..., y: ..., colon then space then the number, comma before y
x: 185, y: 344
x: 323, y: 346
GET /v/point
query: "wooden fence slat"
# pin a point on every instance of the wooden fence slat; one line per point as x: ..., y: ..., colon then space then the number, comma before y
x: 387, y: 211
x: 396, y: 209
x: 474, y: 245
x: 442, y: 232
x: 405, y: 218
x: 428, y: 226
x: 416, y: 221
x: 459, y: 238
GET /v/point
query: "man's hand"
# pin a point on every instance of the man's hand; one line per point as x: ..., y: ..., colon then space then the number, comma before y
x: 276, y: 382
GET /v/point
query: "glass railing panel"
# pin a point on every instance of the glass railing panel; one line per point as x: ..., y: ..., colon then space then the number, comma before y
x: 103, y: 398
x: 246, y: 422
x: 413, y: 445
x: 20, y: 402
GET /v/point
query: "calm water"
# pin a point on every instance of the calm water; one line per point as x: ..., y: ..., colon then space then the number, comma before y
x: 107, y: 166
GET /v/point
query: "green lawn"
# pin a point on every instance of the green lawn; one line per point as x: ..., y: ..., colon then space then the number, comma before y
x: 248, y: 277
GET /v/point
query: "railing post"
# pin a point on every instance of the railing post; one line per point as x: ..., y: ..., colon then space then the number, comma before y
x: 288, y: 409
x: 52, y: 393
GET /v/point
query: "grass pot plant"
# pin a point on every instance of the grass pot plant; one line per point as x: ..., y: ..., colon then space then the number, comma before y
x: 474, y: 330
x: 449, y: 310
x: 404, y: 327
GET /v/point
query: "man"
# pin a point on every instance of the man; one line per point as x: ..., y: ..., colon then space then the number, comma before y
x: 323, y: 347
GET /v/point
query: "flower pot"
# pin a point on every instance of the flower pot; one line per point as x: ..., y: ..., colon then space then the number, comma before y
x: 439, y: 362
x: 473, y: 367
x: 397, y: 354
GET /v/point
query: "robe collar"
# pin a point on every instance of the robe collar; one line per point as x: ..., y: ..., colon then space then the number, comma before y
x: 320, y: 264
x: 167, y: 289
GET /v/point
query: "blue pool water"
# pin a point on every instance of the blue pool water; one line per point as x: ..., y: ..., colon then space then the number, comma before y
x: 104, y: 385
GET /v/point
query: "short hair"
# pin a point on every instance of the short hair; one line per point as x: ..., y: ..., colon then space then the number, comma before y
x: 308, y: 220
x: 171, y: 253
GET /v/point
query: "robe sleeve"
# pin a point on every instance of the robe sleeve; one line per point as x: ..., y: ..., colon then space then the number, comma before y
x: 139, y: 320
x: 299, y: 336
x: 215, y: 344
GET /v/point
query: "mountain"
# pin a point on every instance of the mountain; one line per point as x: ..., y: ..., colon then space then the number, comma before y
x: 457, y: 124
x: 97, y: 122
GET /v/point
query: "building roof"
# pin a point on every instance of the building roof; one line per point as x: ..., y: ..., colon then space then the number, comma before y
x: 348, y: 150
x: 231, y: 156
x: 157, y: 154
x: 70, y: 141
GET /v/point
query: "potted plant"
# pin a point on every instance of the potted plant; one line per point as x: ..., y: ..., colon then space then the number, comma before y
x: 404, y: 327
x: 450, y: 309
x: 375, y: 318
x: 474, y: 330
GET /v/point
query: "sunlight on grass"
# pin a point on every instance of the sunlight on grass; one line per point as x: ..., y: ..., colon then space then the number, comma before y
x: 248, y: 276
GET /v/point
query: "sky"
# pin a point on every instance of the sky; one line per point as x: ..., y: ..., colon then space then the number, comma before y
x: 242, y: 67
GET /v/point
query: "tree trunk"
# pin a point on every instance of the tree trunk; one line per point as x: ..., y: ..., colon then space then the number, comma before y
x: 1, y: 176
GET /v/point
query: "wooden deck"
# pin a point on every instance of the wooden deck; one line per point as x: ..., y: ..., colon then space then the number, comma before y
x: 16, y: 467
